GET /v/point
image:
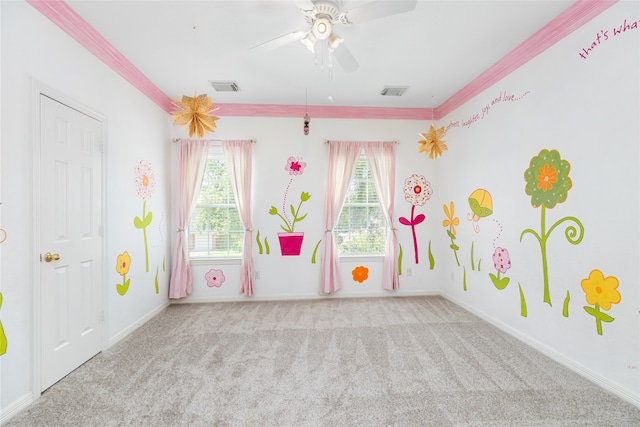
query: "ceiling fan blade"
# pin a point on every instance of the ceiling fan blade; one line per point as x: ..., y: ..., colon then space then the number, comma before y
x: 279, y: 41
x: 345, y: 59
x: 378, y: 9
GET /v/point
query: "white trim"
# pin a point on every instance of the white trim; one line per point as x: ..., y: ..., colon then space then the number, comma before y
x: 606, y: 384
x: 39, y: 89
x: 293, y: 297
x: 135, y: 325
x: 16, y: 407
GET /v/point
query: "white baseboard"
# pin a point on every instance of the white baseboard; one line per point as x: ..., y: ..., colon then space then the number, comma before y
x: 16, y: 407
x: 292, y: 297
x: 599, y: 380
x: 135, y: 325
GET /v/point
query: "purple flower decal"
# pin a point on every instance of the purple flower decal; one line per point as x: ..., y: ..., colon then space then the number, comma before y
x: 294, y: 166
x: 214, y: 278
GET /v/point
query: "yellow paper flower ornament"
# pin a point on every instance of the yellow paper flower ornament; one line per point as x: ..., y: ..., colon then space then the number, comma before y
x: 432, y: 145
x: 196, y: 114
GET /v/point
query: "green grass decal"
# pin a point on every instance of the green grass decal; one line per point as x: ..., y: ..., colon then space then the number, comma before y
x: 400, y: 261
x: 432, y: 262
x: 523, y: 303
x: 473, y: 265
x: 157, y: 286
x: 266, y: 246
x: 259, y: 243
x: 464, y: 278
x: 315, y: 250
x: 565, y: 306
x: 479, y: 261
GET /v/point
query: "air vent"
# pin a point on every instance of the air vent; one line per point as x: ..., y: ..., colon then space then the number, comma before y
x: 394, y: 90
x: 225, y: 86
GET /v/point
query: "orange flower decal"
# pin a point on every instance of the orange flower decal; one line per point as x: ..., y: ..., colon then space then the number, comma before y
x: 548, y: 176
x: 360, y: 274
x: 600, y: 290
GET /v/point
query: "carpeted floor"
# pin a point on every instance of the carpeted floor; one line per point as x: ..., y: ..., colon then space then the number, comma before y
x: 403, y: 361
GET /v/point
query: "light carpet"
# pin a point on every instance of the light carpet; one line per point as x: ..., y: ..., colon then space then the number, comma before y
x: 397, y: 361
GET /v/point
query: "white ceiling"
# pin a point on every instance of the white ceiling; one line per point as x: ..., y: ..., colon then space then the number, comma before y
x: 435, y: 49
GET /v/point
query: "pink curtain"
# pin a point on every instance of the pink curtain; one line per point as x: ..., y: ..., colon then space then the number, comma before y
x: 382, y: 163
x: 238, y: 155
x: 192, y: 162
x: 343, y: 157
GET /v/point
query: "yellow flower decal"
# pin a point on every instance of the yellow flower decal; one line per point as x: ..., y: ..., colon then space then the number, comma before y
x: 548, y: 176
x: 360, y: 274
x: 600, y: 290
x: 196, y: 114
x: 452, y: 221
x: 432, y: 145
x: 123, y: 263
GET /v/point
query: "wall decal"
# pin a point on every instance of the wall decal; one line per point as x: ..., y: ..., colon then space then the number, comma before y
x: 565, y: 306
x: 432, y: 261
x: 214, y: 278
x: 548, y: 183
x: 360, y: 274
x: 315, y: 252
x: 604, y: 35
x: 451, y: 221
x: 291, y: 241
x: 523, y: 303
x: 123, y: 263
x: 464, y: 278
x: 145, y: 184
x: 400, y: 260
x: 501, y: 262
x: 481, y: 205
x: 3, y: 235
x: 157, y: 283
x: 266, y: 247
x: 417, y: 190
x: 503, y: 96
x: 3, y: 337
x: 600, y: 292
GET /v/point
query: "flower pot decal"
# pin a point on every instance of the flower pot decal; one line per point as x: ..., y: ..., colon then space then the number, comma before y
x: 290, y: 241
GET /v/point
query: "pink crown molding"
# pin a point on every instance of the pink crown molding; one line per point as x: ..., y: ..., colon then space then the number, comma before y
x: 564, y: 24
x: 568, y: 21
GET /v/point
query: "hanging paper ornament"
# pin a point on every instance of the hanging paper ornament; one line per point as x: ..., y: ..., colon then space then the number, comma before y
x: 432, y: 145
x: 196, y: 114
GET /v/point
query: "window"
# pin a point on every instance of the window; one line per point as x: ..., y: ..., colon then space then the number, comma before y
x: 361, y: 229
x: 215, y: 229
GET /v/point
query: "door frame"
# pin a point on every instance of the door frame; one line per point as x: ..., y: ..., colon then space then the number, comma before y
x: 39, y: 89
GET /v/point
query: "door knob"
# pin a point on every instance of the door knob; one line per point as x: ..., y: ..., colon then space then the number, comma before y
x: 51, y: 257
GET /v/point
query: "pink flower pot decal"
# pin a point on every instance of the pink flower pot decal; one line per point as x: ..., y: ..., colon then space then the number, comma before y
x: 290, y: 243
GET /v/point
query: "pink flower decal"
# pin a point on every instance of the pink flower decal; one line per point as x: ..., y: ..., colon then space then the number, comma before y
x: 417, y: 190
x: 501, y: 260
x: 294, y: 166
x: 215, y: 278
x: 145, y: 179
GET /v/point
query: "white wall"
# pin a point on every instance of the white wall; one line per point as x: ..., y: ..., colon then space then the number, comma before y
x: 295, y: 276
x: 587, y: 109
x: 34, y: 48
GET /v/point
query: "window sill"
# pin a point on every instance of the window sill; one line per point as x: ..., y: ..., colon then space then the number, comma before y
x: 218, y: 261
x: 361, y: 258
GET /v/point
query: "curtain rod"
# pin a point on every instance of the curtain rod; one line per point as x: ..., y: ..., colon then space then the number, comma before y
x: 326, y: 141
x: 253, y: 140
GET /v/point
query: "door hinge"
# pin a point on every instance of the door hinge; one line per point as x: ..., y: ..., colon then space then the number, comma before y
x: 101, y: 146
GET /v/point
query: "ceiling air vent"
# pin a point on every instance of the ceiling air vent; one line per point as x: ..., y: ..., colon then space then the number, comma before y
x: 394, y: 90
x: 220, y: 86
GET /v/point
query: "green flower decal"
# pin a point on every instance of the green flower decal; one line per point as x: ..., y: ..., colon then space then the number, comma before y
x: 548, y: 183
x: 547, y: 179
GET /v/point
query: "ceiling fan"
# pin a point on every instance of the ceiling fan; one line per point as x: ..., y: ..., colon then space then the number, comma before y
x: 324, y: 15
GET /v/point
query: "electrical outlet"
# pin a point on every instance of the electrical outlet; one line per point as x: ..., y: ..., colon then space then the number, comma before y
x: 409, y: 272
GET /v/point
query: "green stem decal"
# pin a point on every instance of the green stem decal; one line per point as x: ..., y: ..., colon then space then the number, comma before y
x: 3, y: 337
x: 599, y: 315
x: 315, y: 251
x: 400, y: 261
x: 464, y: 278
x: 572, y: 235
x: 259, y: 243
x: 432, y: 261
x: 157, y: 285
x: 473, y: 265
x: 122, y: 289
x: 523, y: 303
x: 565, y: 306
x: 143, y: 223
x: 266, y: 246
x: 453, y: 245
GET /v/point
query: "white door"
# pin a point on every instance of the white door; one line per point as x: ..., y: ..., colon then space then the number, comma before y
x: 70, y: 239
